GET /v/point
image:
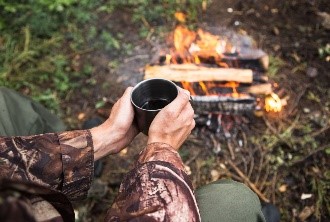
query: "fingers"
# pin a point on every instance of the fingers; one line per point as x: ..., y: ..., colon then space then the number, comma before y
x: 127, y: 94
x: 179, y: 103
x: 125, y: 100
x: 188, y: 115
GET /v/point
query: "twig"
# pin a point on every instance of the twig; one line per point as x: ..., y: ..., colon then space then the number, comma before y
x: 193, y: 157
x: 316, y: 133
x: 310, y: 154
x: 248, y: 182
x: 231, y: 151
x: 297, y: 100
x: 82, y: 52
x: 274, y: 187
x: 264, y: 179
x: 260, y: 164
x: 251, y: 166
x: 136, y: 57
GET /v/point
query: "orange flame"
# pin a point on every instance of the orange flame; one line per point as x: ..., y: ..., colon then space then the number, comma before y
x: 192, y: 47
x: 273, y: 103
x: 234, y: 86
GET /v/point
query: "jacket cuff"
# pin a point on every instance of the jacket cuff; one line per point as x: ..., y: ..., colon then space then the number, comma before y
x: 78, y: 163
x: 161, y: 152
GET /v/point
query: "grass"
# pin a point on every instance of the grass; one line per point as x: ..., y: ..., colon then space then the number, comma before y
x: 39, y: 38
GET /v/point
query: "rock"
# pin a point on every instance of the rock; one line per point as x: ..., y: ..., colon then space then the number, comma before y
x: 215, y: 175
x: 306, y: 110
x: 311, y: 72
x: 325, y: 19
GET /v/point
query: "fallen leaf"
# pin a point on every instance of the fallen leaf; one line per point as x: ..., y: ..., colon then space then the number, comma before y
x: 305, y: 196
x: 187, y: 169
x: 276, y: 31
x: 283, y: 188
x: 123, y: 152
x: 81, y: 116
x: 306, y: 213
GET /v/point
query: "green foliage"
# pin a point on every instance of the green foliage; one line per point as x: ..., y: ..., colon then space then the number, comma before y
x: 275, y: 64
x: 324, y: 52
x: 32, y: 58
x: 39, y: 37
x: 150, y: 14
x: 321, y: 187
x: 110, y: 41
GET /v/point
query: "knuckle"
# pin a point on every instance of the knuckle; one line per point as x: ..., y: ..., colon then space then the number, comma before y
x: 171, y: 113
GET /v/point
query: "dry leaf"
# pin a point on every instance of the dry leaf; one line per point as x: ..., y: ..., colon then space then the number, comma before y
x: 283, y: 188
x: 306, y: 213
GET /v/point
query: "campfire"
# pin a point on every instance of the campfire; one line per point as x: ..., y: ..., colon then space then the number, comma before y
x: 223, y: 74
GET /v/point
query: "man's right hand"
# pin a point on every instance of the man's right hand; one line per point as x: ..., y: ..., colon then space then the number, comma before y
x: 173, y: 124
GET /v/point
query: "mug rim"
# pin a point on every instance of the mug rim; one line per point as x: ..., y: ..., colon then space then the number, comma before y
x: 146, y: 80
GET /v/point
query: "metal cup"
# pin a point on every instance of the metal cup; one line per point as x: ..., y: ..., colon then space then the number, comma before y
x: 149, y: 97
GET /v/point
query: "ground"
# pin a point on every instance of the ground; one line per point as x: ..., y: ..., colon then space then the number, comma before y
x: 285, y: 156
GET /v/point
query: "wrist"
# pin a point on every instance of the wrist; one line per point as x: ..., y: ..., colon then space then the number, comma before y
x: 105, y: 141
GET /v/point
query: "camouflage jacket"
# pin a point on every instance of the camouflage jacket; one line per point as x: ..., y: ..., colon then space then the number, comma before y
x: 40, y: 174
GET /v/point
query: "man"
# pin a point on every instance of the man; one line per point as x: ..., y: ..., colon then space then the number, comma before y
x: 41, y: 173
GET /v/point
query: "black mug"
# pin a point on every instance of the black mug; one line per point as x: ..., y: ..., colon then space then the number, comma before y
x: 149, y: 97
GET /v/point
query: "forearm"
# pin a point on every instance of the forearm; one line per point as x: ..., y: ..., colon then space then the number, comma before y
x: 61, y: 161
x: 157, y: 188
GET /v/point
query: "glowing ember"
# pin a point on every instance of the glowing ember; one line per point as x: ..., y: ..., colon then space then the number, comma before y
x: 273, y: 103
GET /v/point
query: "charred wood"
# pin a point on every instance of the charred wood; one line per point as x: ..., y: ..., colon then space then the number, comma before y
x: 226, y: 105
x: 256, y: 60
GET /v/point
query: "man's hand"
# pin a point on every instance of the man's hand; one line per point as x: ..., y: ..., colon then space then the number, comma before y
x: 173, y: 124
x: 118, y: 130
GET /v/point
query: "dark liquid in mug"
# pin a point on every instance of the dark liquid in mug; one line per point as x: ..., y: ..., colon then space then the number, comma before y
x: 155, y: 104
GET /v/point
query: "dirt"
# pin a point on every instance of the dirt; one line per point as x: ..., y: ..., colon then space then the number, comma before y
x: 291, y: 31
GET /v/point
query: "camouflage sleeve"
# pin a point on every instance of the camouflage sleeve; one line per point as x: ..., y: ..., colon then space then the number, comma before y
x: 157, y: 189
x: 61, y: 161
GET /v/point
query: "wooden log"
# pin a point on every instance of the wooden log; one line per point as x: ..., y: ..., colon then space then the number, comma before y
x: 255, y: 59
x: 195, y: 73
x: 226, y: 105
x: 259, y: 89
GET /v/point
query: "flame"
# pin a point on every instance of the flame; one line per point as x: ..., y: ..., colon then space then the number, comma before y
x: 204, y: 88
x: 183, y: 38
x: 192, y: 47
x: 234, y: 86
x: 188, y: 86
x: 273, y: 103
x: 180, y: 16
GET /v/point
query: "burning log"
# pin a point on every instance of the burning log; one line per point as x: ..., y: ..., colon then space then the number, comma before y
x: 195, y: 73
x: 255, y: 59
x: 230, y: 105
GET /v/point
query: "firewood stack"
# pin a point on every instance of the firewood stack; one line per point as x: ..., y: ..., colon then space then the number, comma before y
x: 228, y: 82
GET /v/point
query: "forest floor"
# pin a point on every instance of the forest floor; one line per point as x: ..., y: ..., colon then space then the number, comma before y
x: 286, y: 155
